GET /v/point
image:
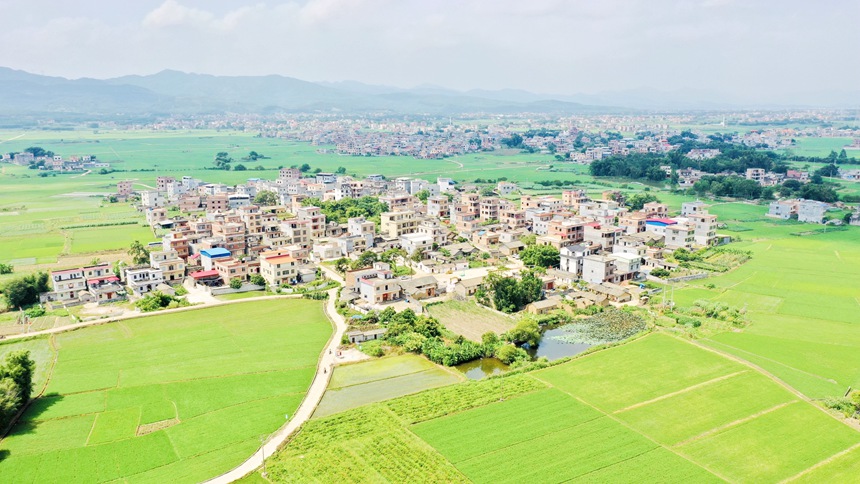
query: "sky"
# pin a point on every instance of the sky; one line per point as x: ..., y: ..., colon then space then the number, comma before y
x: 744, y: 49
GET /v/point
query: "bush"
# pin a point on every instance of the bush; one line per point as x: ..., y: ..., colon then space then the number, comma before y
x: 508, y: 354
x: 35, y: 311
x: 660, y: 272
x: 258, y: 280
x: 158, y: 300
x: 372, y: 348
x: 235, y: 283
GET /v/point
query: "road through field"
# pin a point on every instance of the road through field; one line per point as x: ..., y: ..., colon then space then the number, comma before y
x: 308, y: 405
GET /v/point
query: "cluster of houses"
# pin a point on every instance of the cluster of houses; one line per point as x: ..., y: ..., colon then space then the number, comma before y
x: 808, y: 211
x: 54, y: 162
x: 603, y: 245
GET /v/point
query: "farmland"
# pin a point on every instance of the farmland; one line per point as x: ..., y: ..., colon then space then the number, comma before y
x: 470, y: 320
x: 179, y: 397
x: 677, y: 412
x: 371, y: 381
x: 801, y: 296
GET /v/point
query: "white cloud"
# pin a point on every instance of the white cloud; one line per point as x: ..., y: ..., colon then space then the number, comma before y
x: 172, y: 14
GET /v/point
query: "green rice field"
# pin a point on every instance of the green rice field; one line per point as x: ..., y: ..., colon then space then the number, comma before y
x: 661, y: 410
x: 180, y: 397
x: 801, y: 294
x: 358, y: 384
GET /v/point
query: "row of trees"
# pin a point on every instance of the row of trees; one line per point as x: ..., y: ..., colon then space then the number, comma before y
x: 424, y: 335
x: 16, y: 385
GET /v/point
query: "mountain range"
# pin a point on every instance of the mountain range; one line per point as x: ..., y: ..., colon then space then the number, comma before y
x: 174, y: 92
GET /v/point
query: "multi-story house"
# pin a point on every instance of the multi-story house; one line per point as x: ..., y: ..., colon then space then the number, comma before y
x: 279, y: 270
x: 172, y: 267
x: 395, y: 224
x: 143, y: 280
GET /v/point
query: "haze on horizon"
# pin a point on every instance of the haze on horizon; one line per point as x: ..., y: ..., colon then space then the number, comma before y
x: 767, y: 51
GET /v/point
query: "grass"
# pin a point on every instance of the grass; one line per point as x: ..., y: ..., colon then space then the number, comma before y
x: 371, y: 381
x: 470, y: 320
x: 209, y: 382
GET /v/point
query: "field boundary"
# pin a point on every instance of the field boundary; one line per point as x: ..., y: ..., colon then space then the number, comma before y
x: 682, y: 391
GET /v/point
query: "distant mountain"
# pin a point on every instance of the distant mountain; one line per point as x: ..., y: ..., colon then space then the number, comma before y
x: 183, y: 93
x: 21, y: 92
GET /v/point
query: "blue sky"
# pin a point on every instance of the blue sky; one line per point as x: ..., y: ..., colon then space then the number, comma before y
x: 749, y: 50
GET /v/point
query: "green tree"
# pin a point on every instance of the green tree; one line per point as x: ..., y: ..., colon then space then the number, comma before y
x: 20, y: 368
x: 487, y: 192
x: 529, y: 239
x: 341, y: 265
x: 341, y: 170
x: 258, y: 280
x: 305, y: 168
x: 235, y: 283
x: 423, y: 195
x: 266, y: 198
x: 6, y: 268
x: 638, y: 200
x: 139, y: 254
x: 540, y: 256
x: 239, y: 167
x: 24, y: 291
x: 527, y: 331
x: 508, y: 354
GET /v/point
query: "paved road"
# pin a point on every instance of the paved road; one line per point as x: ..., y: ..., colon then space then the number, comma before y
x: 308, y: 405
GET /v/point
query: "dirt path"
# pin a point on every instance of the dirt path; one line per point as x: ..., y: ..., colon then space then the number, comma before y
x: 83, y: 174
x: 308, y: 405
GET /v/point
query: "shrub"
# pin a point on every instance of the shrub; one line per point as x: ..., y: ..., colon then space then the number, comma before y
x: 372, y: 348
x: 235, y: 283
x: 508, y: 354
x: 258, y: 280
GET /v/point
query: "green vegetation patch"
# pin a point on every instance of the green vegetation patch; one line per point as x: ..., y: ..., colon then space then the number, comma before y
x: 774, y: 446
x: 688, y: 414
x: 469, y: 434
x: 204, y: 384
x: 652, y: 366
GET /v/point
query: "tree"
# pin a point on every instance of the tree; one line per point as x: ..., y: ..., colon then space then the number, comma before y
x: 266, y: 198
x: 341, y: 170
x: 222, y: 161
x: 239, y: 167
x: 6, y: 268
x: 258, y: 280
x: 423, y: 195
x: 20, y: 368
x: 139, y: 254
x: 341, y: 265
x: 508, y: 354
x: 487, y: 192
x: 637, y: 201
x: 540, y: 256
x: 526, y: 331
x: 235, y: 283
x: 25, y: 290
x: 529, y: 239
x: 305, y: 168
x: 366, y: 259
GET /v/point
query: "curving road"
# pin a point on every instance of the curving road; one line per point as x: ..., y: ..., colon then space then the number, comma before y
x: 308, y: 405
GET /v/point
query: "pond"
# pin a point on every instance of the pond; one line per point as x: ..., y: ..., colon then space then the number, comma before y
x: 554, y: 349
x: 477, y: 369
x: 549, y: 347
